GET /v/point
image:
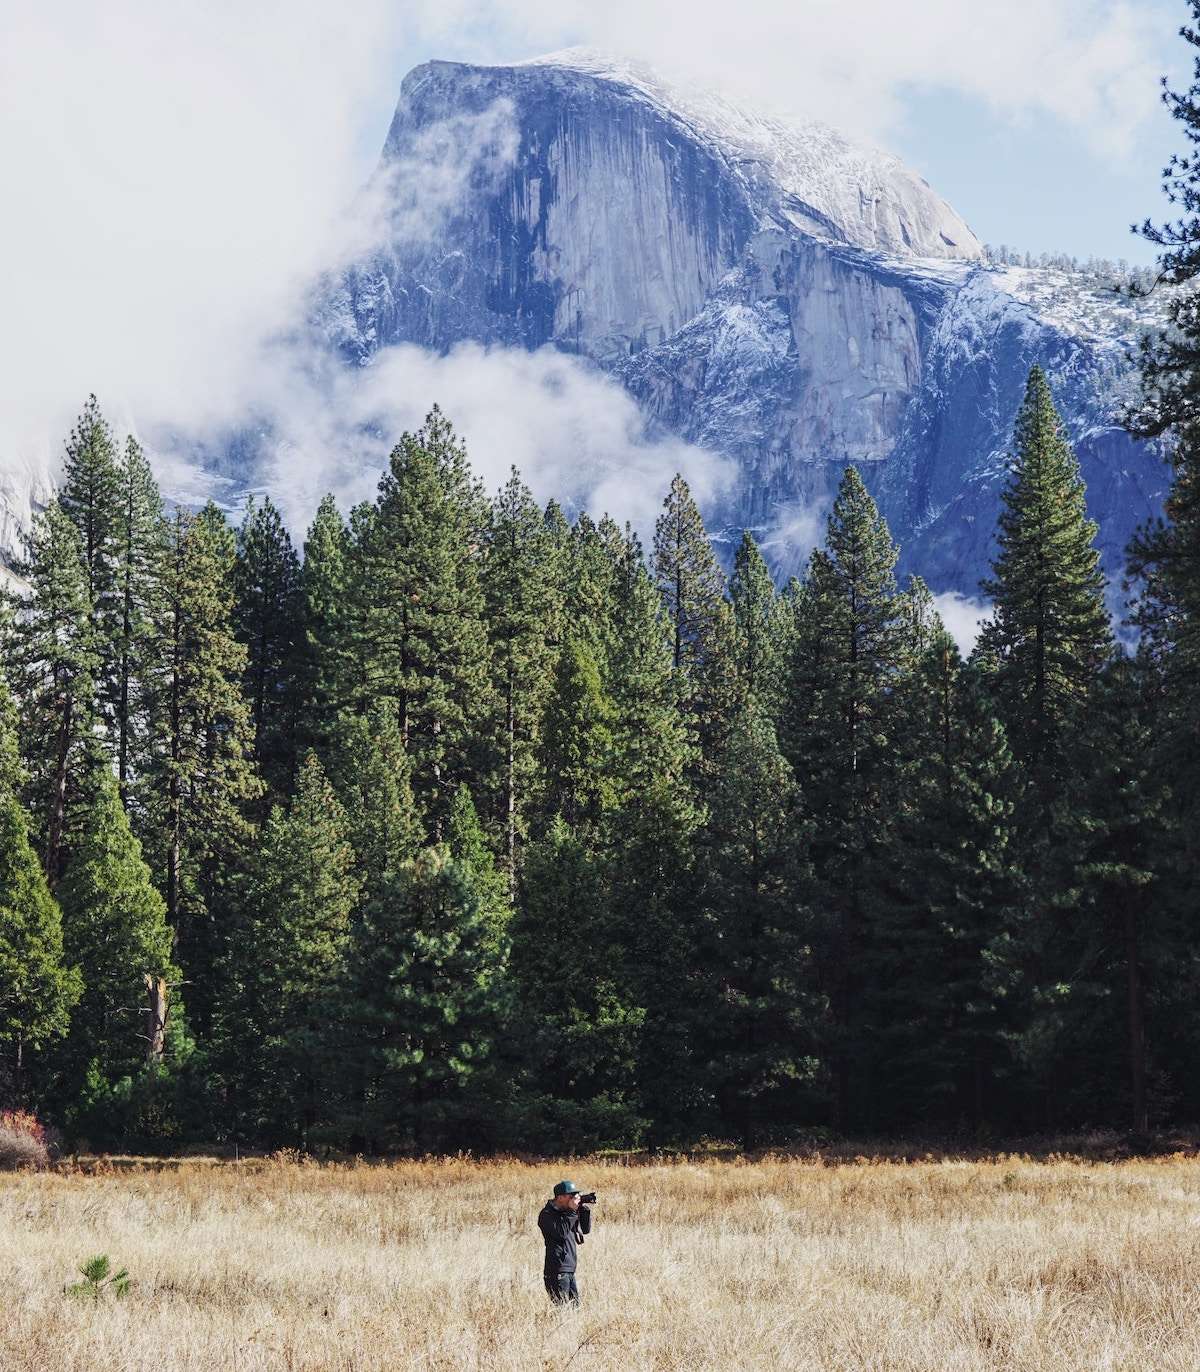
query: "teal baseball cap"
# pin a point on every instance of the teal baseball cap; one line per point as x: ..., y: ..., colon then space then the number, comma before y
x: 566, y: 1188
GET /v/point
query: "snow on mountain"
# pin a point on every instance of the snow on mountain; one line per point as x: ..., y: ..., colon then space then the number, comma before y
x: 765, y: 288
x: 797, y: 173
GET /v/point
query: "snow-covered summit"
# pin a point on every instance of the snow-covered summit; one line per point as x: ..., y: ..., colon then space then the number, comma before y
x: 797, y: 172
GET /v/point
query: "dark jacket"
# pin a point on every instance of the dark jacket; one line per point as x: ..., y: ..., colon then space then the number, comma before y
x: 563, y: 1230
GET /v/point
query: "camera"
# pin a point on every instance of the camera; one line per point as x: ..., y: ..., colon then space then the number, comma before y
x: 588, y: 1199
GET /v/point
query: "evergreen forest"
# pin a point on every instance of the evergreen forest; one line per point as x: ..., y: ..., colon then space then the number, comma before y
x: 469, y: 825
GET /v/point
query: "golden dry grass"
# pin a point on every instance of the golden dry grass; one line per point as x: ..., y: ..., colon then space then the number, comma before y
x: 1009, y: 1264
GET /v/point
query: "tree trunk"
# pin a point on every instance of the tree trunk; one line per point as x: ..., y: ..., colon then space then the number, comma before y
x: 155, y: 1016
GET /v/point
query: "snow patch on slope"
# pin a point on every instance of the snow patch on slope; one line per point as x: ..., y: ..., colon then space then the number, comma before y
x: 798, y: 173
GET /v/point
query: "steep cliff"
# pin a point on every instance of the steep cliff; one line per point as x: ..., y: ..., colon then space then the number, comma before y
x: 764, y: 288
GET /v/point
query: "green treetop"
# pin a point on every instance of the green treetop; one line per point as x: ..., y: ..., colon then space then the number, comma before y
x: 1049, y: 634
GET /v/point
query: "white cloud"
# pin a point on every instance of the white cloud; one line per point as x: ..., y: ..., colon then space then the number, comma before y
x: 571, y: 432
x: 795, y: 530
x: 170, y: 177
x: 1092, y: 63
x: 962, y: 617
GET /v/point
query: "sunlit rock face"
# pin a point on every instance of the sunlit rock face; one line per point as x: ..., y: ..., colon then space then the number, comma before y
x: 769, y: 290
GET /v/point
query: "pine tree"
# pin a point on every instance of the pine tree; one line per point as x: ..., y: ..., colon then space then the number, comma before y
x: 762, y: 1007
x: 38, y: 988
x: 688, y: 577
x: 1049, y: 634
x: 575, y: 1043
x: 950, y: 898
x: 424, y: 640
x: 587, y: 587
x: 268, y: 623
x: 422, y: 1004
x: 692, y: 587
x: 140, y: 535
x: 1164, y: 564
x: 357, y: 621
x: 115, y: 932
x: 757, y: 626
x: 91, y: 499
x: 575, y: 744
x: 201, y: 779
x: 287, y: 961
x: 518, y: 589
x: 55, y: 671
x: 468, y: 846
x: 645, y: 843
x: 649, y: 749
x: 12, y: 773
x: 325, y: 596
x: 837, y: 731
x: 1130, y: 913
x: 559, y: 552
x: 371, y: 774
x: 921, y: 627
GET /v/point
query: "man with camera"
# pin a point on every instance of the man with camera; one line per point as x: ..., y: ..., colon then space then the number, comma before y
x: 564, y: 1221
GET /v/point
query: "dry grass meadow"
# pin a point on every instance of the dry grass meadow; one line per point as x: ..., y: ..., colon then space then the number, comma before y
x: 1005, y: 1264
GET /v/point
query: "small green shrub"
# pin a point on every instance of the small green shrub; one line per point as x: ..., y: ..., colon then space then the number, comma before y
x: 98, y: 1277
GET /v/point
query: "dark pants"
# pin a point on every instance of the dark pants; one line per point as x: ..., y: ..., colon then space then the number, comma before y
x: 562, y: 1288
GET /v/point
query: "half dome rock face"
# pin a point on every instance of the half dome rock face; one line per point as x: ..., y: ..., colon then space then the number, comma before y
x: 765, y: 288
x: 623, y: 204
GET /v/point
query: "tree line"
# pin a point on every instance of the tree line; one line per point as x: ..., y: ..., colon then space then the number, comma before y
x: 468, y: 825
x: 1102, y: 271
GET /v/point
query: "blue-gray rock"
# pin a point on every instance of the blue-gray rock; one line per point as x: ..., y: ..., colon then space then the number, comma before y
x: 766, y: 289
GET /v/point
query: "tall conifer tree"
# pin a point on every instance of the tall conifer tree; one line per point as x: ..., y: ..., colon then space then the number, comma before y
x: 576, y: 1045
x: 288, y: 959
x: 267, y: 619
x: 763, y: 1008
x: 951, y: 897
x: 115, y: 932
x: 140, y: 539
x: 576, y: 742
x: 518, y: 585
x: 325, y: 596
x: 56, y: 669
x: 1130, y: 911
x: 757, y: 626
x: 91, y: 499
x: 837, y: 731
x: 201, y: 779
x: 422, y: 1003
x: 1165, y: 554
x: 38, y: 988
x: 688, y: 577
x: 372, y: 776
x: 1049, y: 634
x: 424, y: 639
